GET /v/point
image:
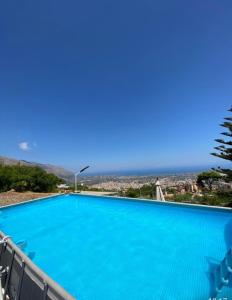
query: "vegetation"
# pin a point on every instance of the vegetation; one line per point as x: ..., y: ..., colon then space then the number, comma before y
x: 224, y: 150
x: 216, y: 198
x: 206, y: 180
x: 146, y: 191
x: 24, y: 178
x: 222, y: 198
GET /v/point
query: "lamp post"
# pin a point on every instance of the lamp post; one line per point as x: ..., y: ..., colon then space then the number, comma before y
x: 77, y: 174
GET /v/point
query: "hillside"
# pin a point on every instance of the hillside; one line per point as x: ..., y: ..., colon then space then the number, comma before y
x: 58, y: 171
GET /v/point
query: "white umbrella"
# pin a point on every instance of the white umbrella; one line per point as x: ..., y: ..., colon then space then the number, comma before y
x: 159, y: 193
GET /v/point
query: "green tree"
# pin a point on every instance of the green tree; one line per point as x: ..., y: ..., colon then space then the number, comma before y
x: 132, y: 193
x: 27, y: 178
x: 224, y: 150
x: 207, y: 179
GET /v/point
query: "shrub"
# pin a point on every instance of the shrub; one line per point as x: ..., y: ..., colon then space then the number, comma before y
x: 24, y: 178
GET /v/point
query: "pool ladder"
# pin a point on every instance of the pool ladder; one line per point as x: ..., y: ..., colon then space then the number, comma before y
x: 223, y: 272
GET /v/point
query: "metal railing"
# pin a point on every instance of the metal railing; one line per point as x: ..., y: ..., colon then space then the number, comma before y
x: 21, y: 279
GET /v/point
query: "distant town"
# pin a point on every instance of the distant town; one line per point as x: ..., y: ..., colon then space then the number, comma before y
x: 198, y: 188
x: 180, y: 182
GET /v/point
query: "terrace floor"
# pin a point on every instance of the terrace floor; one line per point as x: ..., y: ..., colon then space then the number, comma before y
x: 11, y: 197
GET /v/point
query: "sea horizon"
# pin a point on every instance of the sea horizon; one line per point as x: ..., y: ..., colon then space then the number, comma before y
x: 155, y: 171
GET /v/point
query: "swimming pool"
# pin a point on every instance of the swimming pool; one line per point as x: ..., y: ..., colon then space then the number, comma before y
x: 110, y: 249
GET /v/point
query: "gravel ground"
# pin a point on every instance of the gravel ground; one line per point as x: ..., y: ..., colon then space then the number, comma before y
x: 14, y: 197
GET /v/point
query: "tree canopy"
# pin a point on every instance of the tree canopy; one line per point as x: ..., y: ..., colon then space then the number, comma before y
x: 224, y: 150
x: 207, y: 179
x: 27, y: 178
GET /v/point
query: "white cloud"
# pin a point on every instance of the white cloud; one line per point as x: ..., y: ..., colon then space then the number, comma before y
x: 24, y: 146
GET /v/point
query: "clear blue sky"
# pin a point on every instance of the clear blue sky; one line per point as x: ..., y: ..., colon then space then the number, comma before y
x: 115, y: 84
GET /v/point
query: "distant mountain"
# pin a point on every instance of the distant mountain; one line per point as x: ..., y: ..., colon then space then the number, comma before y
x: 58, y: 171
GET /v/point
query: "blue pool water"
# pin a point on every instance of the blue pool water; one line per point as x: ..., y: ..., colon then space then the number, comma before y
x: 109, y: 249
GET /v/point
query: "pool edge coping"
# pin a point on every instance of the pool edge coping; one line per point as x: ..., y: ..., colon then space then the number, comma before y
x: 154, y: 201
